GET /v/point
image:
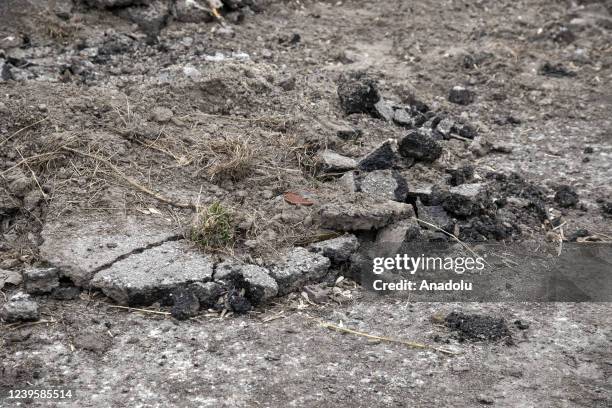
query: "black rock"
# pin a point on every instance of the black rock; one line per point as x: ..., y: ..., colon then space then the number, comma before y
x: 419, y: 146
x: 461, y: 175
x: 579, y: 233
x: 461, y: 96
x: 186, y: 305
x: 238, y: 303
x: 555, y: 70
x: 465, y: 130
x: 358, y: 93
x: 477, y: 327
x: 588, y: 150
x: 381, y: 158
x: 566, y: 196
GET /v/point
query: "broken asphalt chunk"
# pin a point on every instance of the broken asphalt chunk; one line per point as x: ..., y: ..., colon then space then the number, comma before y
x: 20, y: 308
x: 382, y: 157
x: 387, y: 184
x: 297, y: 268
x: 338, y: 250
x: 461, y: 95
x: 362, y: 213
x: 419, y: 146
x: 332, y: 162
x: 358, y: 93
x: 40, y: 280
x: 146, y: 277
x: 258, y: 284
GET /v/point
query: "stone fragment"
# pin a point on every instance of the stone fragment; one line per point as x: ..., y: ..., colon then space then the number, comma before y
x: 347, y: 182
x: 444, y: 128
x: 461, y: 175
x: 383, y: 110
x: 19, y: 308
x: 317, y: 293
x: 332, y: 162
x: 403, y: 231
x: 187, y: 11
x: 358, y: 93
x: 338, y: 250
x: 40, y: 280
x: 403, y: 118
x: 566, y: 196
x: 465, y: 200
x: 9, y: 278
x: 258, y: 284
x: 386, y: 184
x: 208, y: 293
x: 461, y: 96
x: 186, y: 304
x: 149, y: 276
x: 362, y: 213
x: 436, y: 215
x: 382, y: 157
x: 419, y: 146
x: 297, y: 268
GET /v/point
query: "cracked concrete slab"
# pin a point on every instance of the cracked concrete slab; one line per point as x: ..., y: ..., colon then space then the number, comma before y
x: 81, y: 246
x: 149, y: 276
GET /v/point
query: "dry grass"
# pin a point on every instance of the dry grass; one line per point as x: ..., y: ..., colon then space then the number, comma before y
x: 213, y: 227
x: 230, y: 158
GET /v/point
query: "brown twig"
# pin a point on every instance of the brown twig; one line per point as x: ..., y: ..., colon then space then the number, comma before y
x: 139, y: 310
x: 387, y: 339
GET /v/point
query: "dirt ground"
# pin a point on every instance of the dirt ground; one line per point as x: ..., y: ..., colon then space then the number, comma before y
x: 106, y: 117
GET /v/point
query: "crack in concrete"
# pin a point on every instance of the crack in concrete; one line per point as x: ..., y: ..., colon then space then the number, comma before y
x: 121, y: 257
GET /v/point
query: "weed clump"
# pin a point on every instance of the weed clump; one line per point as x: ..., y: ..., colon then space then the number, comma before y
x: 213, y: 227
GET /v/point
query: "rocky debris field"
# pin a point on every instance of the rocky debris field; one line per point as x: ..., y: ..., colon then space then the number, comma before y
x: 201, y: 160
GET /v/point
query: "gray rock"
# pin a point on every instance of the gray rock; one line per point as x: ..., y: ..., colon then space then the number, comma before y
x: 383, y: 110
x: 161, y: 114
x: 382, y: 157
x: 9, y: 278
x: 385, y: 184
x: 435, y: 215
x: 40, y: 280
x: 332, y: 162
x: 297, y: 268
x: 258, y: 284
x: 347, y: 182
x: 444, y: 128
x: 396, y: 234
x: 317, y: 293
x: 461, y: 96
x: 187, y: 11
x: 81, y: 246
x: 146, y: 277
x: 403, y: 118
x: 338, y: 250
x: 19, y: 308
x: 208, y: 293
x: 362, y: 212
x: 420, y: 191
x: 419, y: 146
